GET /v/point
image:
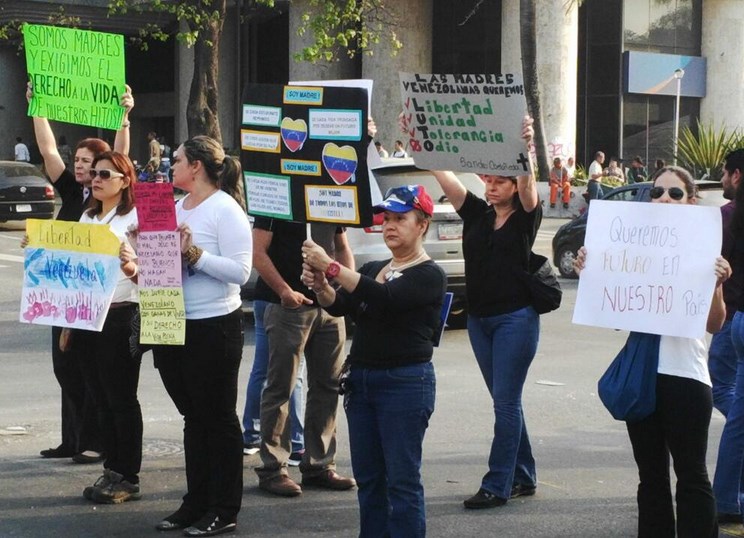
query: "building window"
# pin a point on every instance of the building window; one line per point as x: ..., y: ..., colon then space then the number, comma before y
x: 672, y: 27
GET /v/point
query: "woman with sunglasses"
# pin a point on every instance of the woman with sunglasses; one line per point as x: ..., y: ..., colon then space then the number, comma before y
x: 80, y: 435
x: 684, y: 403
x: 388, y: 385
x: 201, y: 376
x: 111, y: 374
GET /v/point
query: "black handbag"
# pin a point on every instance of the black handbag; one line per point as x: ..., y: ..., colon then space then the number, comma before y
x: 543, y: 284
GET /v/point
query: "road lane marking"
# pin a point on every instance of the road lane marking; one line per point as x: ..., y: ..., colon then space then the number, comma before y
x: 11, y: 258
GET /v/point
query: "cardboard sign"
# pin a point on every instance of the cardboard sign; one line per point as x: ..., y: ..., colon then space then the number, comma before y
x: 70, y: 274
x: 469, y: 123
x: 649, y: 267
x: 77, y: 75
x: 305, y: 153
x: 156, y: 208
x: 162, y: 308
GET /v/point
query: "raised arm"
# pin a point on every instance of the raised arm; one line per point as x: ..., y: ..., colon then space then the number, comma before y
x: 122, y: 142
x: 53, y: 163
x: 717, y: 312
x: 526, y: 186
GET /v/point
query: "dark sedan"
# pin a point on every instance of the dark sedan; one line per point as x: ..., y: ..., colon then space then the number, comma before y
x: 570, y: 237
x: 24, y: 192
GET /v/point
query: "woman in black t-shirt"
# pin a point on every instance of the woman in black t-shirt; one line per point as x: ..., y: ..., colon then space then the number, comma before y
x: 498, y: 234
x: 389, y: 384
x: 80, y: 435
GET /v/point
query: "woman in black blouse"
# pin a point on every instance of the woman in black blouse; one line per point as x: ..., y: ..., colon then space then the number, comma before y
x: 498, y: 234
x: 389, y: 383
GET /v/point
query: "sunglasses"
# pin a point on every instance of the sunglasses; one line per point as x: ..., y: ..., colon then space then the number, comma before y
x: 104, y: 174
x: 675, y: 193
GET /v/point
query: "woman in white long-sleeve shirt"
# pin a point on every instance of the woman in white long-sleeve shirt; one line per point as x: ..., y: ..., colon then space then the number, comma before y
x: 202, y: 376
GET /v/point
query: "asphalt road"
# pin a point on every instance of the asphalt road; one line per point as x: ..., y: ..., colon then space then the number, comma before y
x: 586, y: 474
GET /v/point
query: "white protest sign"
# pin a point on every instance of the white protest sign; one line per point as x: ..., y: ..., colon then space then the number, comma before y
x: 470, y: 123
x: 649, y: 267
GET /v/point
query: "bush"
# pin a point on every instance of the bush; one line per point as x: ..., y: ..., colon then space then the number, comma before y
x: 703, y: 153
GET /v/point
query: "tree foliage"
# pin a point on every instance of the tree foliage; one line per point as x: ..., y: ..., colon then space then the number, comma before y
x: 702, y: 151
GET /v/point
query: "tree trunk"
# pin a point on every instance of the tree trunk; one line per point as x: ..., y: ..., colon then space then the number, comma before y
x: 528, y: 39
x: 202, y: 112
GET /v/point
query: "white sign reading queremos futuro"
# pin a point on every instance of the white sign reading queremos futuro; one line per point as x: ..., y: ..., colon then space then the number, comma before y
x: 649, y: 267
x: 469, y: 123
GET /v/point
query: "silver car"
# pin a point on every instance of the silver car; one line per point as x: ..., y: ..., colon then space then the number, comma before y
x: 443, y: 241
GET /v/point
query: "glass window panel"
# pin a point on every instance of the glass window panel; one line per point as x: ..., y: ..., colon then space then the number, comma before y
x: 636, y: 24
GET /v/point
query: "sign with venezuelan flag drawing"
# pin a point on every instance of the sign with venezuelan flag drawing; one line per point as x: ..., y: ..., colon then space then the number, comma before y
x: 162, y: 308
x: 70, y: 274
x: 78, y: 76
x: 304, y: 153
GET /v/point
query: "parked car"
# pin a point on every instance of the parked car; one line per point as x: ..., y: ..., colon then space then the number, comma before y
x: 443, y: 241
x: 570, y: 237
x: 24, y: 192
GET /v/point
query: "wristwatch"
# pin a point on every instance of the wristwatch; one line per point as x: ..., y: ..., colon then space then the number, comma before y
x: 334, y: 268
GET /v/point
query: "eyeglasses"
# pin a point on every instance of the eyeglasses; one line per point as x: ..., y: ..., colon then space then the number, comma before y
x: 675, y: 193
x: 104, y: 174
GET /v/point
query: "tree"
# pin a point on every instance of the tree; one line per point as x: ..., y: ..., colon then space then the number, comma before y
x: 337, y: 26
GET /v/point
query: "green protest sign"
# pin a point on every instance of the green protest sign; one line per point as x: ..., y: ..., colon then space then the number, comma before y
x: 77, y: 75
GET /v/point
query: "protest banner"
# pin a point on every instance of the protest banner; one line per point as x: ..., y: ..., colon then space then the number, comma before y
x: 77, y: 75
x: 70, y: 274
x: 162, y: 308
x: 649, y: 267
x: 305, y: 153
x: 469, y: 123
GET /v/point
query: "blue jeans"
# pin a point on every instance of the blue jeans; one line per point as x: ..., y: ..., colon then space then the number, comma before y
x: 727, y: 482
x: 594, y: 188
x: 722, y: 365
x: 504, y: 346
x: 388, y: 412
x: 256, y: 383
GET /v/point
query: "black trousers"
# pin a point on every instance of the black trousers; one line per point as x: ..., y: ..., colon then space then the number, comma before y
x: 112, y: 376
x: 79, y: 420
x: 202, y: 379
x: 679, y: 427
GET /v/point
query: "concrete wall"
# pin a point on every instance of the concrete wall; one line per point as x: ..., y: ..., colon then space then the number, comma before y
x: 416, y: 33
x: 557, y: 51
x: 722, y: 46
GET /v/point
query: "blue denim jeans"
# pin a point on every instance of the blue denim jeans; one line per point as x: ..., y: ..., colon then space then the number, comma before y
x: 256, y: 383
x: 504, y: 346
x: 594, y: 188
x: 388, y: 412
x: 727, y: 482
x: 722, y: 365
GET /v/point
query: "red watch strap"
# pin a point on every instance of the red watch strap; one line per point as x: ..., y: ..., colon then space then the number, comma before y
x: 334, y: 268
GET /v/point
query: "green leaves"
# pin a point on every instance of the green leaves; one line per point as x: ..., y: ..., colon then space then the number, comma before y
x: 703, y: 153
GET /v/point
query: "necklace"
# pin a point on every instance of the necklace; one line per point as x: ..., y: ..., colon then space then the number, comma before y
x: 395, y: 272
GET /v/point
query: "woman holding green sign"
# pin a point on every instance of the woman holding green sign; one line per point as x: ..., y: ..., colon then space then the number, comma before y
x: 80, y: 435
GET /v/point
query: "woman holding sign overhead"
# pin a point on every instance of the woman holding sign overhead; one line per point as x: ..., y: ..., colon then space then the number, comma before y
x: 110, y: 372
x: 684, y: 402
x: 201, y: 376
x: 498, y: 234
x: 80, y: 436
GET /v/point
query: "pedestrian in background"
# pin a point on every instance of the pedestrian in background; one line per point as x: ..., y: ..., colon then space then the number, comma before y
x: 684, y: 402
x: 389, y: 387
x: 21, y: 151
x: 559, y: 180
x: 381, y: 151
x: 594, y: 176
x: 637, y: 171
x: 399, y: 151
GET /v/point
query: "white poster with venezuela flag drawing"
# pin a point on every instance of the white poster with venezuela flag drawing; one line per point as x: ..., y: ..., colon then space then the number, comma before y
x: 70, y: 274
x: 304, y: 153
